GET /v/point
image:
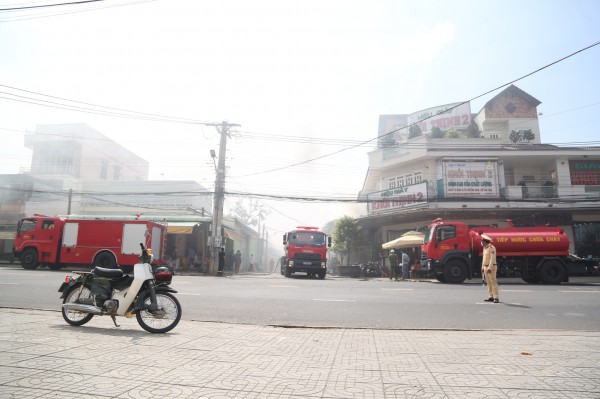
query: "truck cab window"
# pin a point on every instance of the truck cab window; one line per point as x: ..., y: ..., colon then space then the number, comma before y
x: 27, y: 225
x: 445, y: 233
x: 48, y: 225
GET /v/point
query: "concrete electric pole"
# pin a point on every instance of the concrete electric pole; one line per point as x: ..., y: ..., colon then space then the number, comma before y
x: 217, y: 217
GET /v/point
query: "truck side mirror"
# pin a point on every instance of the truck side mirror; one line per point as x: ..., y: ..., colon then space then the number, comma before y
x: 329, y: 241
x: 284, y: 239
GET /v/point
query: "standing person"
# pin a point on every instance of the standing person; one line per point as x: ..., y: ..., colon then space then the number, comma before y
x: 393, y: 265
x: 238, y: 261
x: 489, y: 268
x: 191, y: 257
x: 175, y: 259
x: 221, y: 262
x: 405, y: 265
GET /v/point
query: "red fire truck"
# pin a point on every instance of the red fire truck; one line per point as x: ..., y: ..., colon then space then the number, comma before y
x: 305, y: 251
x: 452, y: 251
x: 57, y: 242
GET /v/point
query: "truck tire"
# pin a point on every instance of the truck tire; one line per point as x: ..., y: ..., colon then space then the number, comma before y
x: 106, y: 260
x: 552, y: 272
x: 29, y: 259
x: 54, y: 266
x: 322, y: 275
x: 440, y: 278
x: 455, y: 272
x: 287, y: 272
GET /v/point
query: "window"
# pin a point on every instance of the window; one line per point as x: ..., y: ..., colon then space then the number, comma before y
x: 445, y: 233
x: 48, y: 225
x: 392, y: 182
x: 103, y: 169
x: 418, y: 177
x: 117, y: 173
x: 409, y: 179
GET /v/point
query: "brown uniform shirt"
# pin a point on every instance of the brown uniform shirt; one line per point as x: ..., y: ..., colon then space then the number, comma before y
x: 489, y: 257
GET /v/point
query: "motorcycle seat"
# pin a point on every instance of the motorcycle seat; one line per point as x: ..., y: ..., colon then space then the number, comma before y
x: 109, y: 273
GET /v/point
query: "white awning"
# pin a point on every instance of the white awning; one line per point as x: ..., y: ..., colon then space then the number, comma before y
x: 407, y: 240
x: 233, y: 235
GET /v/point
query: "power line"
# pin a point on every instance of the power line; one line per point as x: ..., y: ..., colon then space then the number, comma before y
x: 51, y: 5
x: 58, y: 13
x: 101, y: 109
x: 407, y: 127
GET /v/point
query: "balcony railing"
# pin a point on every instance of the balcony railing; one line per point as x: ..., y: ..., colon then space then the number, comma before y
x: 557, y: 192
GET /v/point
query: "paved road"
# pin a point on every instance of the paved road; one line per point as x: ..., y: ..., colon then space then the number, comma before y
x: 348, y: 303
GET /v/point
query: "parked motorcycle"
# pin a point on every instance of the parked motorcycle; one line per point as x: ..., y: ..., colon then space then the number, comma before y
x: 371, y: 269
x: 102, y: 291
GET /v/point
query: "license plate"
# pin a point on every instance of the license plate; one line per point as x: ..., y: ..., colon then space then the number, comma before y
x: 307, y: 263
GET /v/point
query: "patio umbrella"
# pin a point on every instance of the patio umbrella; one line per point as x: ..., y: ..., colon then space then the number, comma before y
x: 407, y: 240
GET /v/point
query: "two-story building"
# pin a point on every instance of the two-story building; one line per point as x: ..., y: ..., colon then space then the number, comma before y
x: 482, y: 169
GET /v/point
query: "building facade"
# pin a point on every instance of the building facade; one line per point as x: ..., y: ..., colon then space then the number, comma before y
x: 78, y: 172
x: 484, y: 171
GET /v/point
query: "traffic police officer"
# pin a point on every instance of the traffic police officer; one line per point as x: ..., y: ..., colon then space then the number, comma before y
x: 489, y: 268
x: 393, y: 265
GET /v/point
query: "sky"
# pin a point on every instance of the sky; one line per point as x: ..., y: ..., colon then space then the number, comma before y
x: 305, y: 80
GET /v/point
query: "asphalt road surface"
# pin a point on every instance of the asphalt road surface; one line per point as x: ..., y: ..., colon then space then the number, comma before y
x: 344, y: 302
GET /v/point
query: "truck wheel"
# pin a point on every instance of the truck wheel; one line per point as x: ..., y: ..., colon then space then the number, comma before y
x: 552, y: 272
x: 440, y: 278
x: 29, y: 259
x: 106, y: 260
x: 322, y: 275
x: 455, y: 272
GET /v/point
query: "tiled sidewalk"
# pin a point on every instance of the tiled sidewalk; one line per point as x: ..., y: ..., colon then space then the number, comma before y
x: 43, y: 357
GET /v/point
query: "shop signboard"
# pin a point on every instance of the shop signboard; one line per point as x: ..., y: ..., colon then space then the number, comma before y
x: 397, y: 198
x: 585, y: 172
x: 449, y: 116
x: 470, y: 178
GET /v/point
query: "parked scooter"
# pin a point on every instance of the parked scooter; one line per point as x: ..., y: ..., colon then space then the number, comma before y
x: 146, y: 294
x: 371, y: 269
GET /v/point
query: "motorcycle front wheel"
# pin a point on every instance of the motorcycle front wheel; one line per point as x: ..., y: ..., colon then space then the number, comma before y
x: 165, y: 318
x: 78, y: 294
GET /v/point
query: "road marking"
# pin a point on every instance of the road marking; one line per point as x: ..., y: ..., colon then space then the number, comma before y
x: 574, y: 314
x: 9, y: 283
x: 397, y: 289
x: 334, y: 300
x: 518, y: 290
x: 582, y: 292
x: 283, y: 286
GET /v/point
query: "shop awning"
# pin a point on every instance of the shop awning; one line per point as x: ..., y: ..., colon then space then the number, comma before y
x: 233, y: 235
x: 407, y: 240
x: 181, y: 227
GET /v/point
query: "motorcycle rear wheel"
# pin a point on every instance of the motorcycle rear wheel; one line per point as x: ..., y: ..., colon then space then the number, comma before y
x: 165, y: 319
x: 72, y: 317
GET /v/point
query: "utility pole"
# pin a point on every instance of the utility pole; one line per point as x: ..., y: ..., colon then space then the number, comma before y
x: 219, y: 197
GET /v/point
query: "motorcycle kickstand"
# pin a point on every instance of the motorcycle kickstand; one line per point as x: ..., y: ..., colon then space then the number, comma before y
x: 114, y: 319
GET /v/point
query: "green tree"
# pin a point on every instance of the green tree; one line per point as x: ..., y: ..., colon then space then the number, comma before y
x: 414, y: 131
x: 453, y: 134
x: 437, y: 133
x: 346, y: 236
